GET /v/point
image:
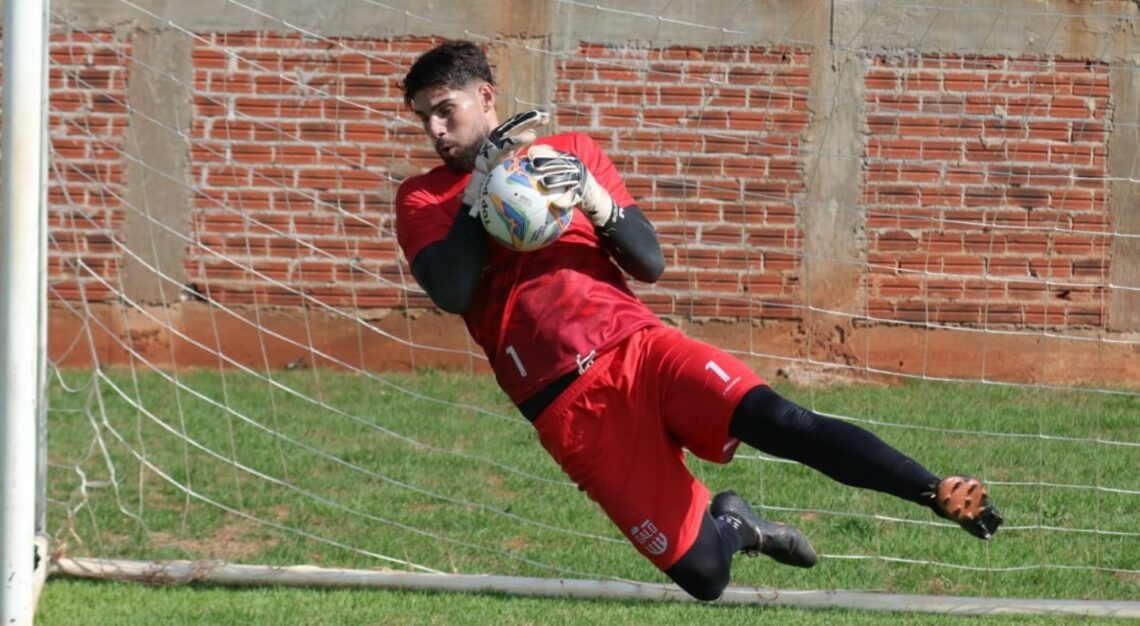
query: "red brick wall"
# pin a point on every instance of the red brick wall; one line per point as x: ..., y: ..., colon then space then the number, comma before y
x: 87, y: 81
x: 294, y: 142
x: 986, y: 190
x: 708, y: 141
x: 984, y: 178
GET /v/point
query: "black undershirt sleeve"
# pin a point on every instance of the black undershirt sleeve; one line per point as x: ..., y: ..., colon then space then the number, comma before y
x: 632, y: 241
x: 449, y: 269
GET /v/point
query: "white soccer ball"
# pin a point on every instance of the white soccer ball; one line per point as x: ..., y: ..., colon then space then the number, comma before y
x: 517, y: 210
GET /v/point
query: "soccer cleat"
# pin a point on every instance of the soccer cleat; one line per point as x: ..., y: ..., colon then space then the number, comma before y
x: 966, y: 501
x: 783, y: 543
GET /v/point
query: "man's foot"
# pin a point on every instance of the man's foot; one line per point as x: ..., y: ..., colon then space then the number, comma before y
x: 965, y: 500
x: 786, y: 544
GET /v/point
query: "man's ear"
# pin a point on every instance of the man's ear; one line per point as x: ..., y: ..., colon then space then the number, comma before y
x: 486, y: 97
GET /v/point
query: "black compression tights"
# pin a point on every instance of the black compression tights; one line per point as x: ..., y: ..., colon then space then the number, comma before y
x: 704, y: 569
x: 842, y: 451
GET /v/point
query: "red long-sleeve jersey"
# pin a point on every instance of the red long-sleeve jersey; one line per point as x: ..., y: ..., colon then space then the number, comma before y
x: 537, y: 315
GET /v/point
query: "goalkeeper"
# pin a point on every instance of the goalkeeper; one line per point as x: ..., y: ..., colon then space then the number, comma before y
x: 613, y: 393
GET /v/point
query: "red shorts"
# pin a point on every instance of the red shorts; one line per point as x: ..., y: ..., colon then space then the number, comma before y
x: 618, y: 432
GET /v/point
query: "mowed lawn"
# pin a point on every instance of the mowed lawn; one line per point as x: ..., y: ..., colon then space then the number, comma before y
x: 436, y: 472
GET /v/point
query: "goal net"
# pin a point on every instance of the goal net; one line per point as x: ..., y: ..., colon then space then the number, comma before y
x: 913, y: 216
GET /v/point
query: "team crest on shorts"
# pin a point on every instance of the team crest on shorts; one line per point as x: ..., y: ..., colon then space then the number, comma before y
x: 646, y: 534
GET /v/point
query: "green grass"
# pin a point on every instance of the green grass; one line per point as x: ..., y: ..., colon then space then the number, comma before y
x: 80, y: 603
x: 407, y: 468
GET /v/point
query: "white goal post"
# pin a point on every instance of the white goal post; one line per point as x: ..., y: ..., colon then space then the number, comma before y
x: 22, y: 290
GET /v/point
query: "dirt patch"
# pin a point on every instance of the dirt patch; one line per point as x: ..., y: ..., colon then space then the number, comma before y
x: 232, y: 542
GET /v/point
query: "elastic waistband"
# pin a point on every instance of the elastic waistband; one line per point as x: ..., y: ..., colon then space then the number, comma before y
x: 533, y: 406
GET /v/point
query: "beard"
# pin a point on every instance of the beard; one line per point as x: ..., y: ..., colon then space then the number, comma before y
x: 462, y: 161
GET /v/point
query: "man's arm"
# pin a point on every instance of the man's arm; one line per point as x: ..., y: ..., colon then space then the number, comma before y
x: 624, y: 232
x: 632, y: 241
x: 449, y: 270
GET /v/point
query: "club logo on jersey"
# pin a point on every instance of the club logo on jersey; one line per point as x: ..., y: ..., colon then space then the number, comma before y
x: 647, y: 536
x: 584, y: 362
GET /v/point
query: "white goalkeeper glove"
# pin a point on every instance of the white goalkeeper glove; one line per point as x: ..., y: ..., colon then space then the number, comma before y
x: 562, y: 171
x: 512, y: 134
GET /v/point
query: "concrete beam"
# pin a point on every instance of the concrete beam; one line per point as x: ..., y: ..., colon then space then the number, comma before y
x: 1124, y: 195
x: 522, y: 60
x: 1063, y: 27
x: 833, y: 226
x: 443, y: 18
x: 1085, y: 30
x: 159, y: 193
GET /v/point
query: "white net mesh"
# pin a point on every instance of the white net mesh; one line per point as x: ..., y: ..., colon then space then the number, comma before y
x: 911, y: 216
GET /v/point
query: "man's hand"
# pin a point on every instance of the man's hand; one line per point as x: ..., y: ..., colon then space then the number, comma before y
x: 512, y: 134
x: 965, y: 500
x: 564, y: 172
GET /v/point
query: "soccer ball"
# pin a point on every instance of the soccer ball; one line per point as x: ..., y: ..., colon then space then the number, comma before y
x: 516, y: 209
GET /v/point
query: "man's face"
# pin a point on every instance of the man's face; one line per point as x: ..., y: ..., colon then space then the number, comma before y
x: 456, y: 120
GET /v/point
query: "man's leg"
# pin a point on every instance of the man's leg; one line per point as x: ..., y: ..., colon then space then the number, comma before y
x: 849, y: 454
x: 703, y: 571
x: 853, y: 456
x: 732, y: 526
x: 606, y: 433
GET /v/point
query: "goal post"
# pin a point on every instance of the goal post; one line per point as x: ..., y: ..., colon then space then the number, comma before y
x: 914, y: 217
x: 22, y: 291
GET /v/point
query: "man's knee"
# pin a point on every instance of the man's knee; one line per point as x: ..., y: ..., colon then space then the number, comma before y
x: 704, y: 570
x: 701, y: 576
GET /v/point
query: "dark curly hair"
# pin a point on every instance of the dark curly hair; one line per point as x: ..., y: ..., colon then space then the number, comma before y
x: 452, y: 64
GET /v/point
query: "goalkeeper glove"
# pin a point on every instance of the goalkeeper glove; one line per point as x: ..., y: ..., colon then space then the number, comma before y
x: 562, y: 171
x: 966, y: 501
x: 512, y: 134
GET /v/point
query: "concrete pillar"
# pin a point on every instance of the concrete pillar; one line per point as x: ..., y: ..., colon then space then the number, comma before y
x: 1123, y: 170
x: 159, y: 193
x: 831, y: 215
x: 524, y: 69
